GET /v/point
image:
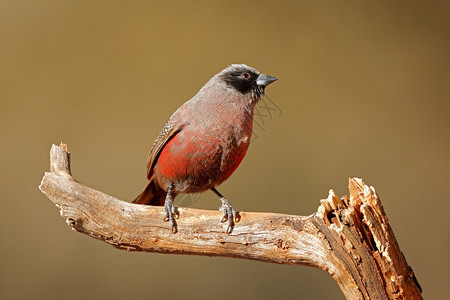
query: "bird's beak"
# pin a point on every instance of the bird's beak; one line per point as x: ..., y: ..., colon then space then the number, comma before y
x: 265, y: 80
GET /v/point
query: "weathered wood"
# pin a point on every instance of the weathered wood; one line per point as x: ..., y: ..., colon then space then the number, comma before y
x: 350, y: 238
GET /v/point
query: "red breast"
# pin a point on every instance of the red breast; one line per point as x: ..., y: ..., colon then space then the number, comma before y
x: 208, y: 149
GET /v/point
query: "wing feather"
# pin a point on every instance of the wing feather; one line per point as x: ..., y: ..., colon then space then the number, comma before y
x: 169, y: 130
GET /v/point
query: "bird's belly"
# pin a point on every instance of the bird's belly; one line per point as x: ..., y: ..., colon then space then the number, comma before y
x: 196, y: 164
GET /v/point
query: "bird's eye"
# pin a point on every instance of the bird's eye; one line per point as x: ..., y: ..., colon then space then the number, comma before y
x: 245, y: 75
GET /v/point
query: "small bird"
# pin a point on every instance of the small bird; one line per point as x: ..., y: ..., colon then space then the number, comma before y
x: 204, y: 141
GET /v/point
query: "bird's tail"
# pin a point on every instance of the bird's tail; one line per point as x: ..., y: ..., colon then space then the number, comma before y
x: 153, y: 194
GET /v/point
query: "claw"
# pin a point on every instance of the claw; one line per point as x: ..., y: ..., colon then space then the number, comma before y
x: 170, y: 213
x: 228, y: 214
x: 228, y: 211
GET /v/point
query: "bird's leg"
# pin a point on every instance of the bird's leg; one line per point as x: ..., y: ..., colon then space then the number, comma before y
x: 170, y: 211
x: 228, y: 211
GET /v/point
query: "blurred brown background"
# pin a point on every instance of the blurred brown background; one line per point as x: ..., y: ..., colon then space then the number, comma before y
x: 363, y: 88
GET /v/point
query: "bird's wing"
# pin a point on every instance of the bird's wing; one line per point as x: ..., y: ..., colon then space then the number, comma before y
x: 170, y: 130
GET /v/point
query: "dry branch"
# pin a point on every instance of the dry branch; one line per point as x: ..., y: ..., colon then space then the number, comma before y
x: 350, y: 238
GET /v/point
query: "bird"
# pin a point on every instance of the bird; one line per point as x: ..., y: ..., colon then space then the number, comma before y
x: 204, y: 142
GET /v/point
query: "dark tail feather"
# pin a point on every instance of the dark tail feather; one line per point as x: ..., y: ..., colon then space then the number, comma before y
x: 152, y: 195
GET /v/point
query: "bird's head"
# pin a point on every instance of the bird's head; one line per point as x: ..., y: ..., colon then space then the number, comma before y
x: 246, y: 80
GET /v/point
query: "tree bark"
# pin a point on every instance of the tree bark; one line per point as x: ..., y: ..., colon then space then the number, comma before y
x: 349, y: 237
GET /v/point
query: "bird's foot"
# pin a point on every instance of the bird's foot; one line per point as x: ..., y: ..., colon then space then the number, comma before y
x: 228, y: 214
x: 170, y: 213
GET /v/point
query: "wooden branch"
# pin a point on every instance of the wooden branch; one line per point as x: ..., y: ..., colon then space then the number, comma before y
x: 350, y: 238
